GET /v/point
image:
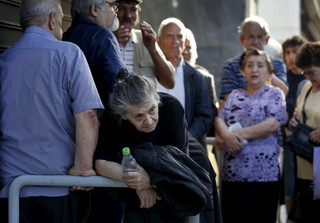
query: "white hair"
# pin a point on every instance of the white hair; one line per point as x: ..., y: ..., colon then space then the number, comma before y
x: 172, y: 20
x: 254, y: 19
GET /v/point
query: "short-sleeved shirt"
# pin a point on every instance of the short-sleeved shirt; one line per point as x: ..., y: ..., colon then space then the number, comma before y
x: 232, y: 77
x: 258, y: 160
x: 44, y: 84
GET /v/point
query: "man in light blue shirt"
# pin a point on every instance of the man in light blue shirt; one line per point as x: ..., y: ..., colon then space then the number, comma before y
x: 48, y: 112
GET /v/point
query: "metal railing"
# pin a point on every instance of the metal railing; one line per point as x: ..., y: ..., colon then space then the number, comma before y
x: 59, y: 181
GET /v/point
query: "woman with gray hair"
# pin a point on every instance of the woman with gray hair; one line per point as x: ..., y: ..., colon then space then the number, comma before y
x: 149, y: 122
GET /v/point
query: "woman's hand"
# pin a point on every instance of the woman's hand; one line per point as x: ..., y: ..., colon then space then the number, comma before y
x: 293, y: 123
x: 233, y: 141
x: 315, y: 136
x: 138, y: 180
x: 148, y: 197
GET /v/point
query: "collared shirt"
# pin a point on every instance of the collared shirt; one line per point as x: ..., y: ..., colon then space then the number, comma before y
x: 127, y: 51
x: 101, y: 49
x: 233, y: 78
x: 44, y: 84
x: 178, y: 91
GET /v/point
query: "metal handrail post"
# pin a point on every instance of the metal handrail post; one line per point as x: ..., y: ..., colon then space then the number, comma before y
x: 52, y: 180
x: 59, y: 180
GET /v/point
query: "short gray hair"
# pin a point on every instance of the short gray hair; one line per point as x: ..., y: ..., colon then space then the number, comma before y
x: 253, y: 19
x: 132, y: 91
x: 82, y: 7
x: 172, y: 20
x: 36, y: 12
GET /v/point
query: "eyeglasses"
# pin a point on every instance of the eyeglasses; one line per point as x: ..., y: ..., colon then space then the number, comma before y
x: 310, y: 73
x: 114, y: 5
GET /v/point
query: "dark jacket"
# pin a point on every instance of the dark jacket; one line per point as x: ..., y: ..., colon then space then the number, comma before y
x: 198, y: 108
x: 184, y: 185
x: 199, y: 154
x: 101, y: 49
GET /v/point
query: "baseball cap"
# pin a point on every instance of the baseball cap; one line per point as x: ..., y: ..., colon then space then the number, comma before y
x: 137, y: 1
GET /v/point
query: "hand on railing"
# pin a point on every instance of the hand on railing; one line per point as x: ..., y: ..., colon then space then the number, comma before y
x: 86, y: 173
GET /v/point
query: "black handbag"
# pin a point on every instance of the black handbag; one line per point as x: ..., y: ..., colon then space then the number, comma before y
x: 299, y: 141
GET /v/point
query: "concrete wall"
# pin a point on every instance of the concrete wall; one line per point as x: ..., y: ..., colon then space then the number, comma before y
x: 213, y: 22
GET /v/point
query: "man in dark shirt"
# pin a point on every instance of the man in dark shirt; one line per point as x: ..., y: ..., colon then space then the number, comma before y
x: 91, y: 30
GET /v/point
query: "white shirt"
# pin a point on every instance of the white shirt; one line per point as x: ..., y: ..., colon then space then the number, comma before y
x: 178, y: 90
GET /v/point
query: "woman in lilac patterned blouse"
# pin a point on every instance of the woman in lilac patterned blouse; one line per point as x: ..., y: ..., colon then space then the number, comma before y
x: 250, y: 172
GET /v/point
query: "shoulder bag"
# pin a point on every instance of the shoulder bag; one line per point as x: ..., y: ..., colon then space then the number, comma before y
x: 299, y: 141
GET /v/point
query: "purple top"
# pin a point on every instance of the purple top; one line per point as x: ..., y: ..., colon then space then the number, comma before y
x: 44, y: 84
x: 258, y: 160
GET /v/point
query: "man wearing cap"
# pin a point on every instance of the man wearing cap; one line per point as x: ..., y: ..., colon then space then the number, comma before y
x: 138, y: 48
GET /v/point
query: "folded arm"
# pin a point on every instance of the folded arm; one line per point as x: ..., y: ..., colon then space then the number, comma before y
x: 140, y: 180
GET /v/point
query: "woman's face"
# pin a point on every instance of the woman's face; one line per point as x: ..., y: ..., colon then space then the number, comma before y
x: 256, y: 71
x: 313, y: 75
x: 144, y: 118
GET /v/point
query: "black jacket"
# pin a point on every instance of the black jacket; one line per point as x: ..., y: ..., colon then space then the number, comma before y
x: 184, y: 184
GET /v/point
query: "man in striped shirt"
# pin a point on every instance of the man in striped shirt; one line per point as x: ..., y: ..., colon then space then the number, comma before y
x: 138, y: 48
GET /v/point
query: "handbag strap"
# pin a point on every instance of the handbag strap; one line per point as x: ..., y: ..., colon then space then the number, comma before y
x: 304, y: 116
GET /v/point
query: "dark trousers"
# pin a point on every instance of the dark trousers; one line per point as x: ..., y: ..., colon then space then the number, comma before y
x: 73, y: 208
x: 159, y: 213
x: 106, y: 205
x: 309, y: 208
x: 115, y: 205
x: 249, y: 202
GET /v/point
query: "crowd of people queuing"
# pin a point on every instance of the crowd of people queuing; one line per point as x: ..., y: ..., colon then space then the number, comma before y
x: 71, y: 101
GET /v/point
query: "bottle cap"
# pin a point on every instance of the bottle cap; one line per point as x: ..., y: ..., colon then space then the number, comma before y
x: 126, y: 151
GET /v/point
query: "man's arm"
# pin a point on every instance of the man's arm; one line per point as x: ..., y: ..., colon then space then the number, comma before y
x: 279, y: 78
x: 163, y: 69
x: 275, y: 81
x: 87, y: 127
